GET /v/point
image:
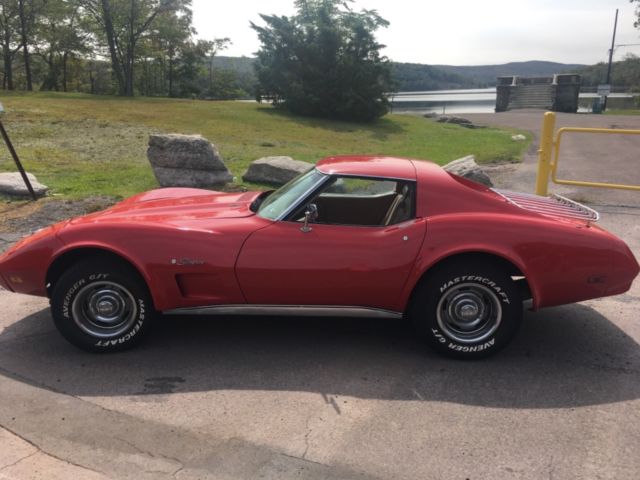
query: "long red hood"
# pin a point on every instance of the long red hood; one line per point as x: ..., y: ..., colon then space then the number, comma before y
x: 176, y: 205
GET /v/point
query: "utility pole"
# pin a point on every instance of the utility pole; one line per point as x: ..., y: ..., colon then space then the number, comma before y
x: 613, y: 46
x: 16, y: 159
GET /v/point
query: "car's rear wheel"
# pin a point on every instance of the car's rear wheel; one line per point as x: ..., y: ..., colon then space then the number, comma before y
x: 101, y: 305
x: 467, y: 310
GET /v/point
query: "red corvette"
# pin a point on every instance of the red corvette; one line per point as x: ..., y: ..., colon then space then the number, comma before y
x: 368, y: 236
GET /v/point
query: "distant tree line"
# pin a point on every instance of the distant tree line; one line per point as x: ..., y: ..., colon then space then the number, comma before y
x: 123, y: 47
x: 414, y: 77
x: 625, y: 74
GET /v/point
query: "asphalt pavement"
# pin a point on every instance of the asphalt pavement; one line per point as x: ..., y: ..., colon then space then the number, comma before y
x: 275, y: 398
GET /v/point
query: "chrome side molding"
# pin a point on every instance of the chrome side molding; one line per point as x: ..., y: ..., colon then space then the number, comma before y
x: 287, y: 310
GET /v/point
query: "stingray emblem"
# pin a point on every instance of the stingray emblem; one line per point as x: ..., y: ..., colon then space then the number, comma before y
x: 187, y: 261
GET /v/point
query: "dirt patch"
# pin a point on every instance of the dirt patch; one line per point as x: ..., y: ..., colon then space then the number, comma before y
x: 25, y: 217
x: 22, y: 217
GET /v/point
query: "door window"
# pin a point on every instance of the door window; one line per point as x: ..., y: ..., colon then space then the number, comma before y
x: 362, y: 202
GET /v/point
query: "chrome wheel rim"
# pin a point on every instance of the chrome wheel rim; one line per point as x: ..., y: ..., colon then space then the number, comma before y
x: 469, y: 313
x: 104, y: 309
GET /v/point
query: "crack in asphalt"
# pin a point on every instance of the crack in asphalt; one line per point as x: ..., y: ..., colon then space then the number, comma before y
x: 195, y: 454
x: 45, y: 452
x: 306, y: 438
x: 153, y: 455
x: 20, y: 459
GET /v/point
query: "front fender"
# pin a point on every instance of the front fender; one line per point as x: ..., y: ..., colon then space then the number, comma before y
x: 23, y: 266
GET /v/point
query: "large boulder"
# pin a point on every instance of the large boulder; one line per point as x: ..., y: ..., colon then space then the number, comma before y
x: 186, y: 161
x: 468, y: 168
x: 275, y: 170
x: 13, y: 185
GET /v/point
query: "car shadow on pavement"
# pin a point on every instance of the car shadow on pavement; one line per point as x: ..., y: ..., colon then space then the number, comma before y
x: 563, y: 357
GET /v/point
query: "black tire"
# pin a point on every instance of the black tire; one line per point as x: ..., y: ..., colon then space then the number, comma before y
x: 102, y: 305
x: 467, y: 310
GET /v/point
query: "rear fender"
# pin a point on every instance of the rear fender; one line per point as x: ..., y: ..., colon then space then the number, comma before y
x: 561, y: 261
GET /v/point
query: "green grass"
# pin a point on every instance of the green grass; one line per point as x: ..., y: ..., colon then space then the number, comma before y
x: 83, y: 145
x: 622, y: 112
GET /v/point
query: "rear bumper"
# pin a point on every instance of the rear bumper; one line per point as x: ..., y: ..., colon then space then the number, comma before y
x: 625, y: 268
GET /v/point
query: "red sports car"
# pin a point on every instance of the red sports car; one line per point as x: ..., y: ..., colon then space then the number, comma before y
x: 366, y: 236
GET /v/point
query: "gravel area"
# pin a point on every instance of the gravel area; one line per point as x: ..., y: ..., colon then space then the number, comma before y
x: 18, y: 219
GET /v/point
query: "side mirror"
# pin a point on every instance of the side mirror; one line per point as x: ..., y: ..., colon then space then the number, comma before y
x: 310, y: 216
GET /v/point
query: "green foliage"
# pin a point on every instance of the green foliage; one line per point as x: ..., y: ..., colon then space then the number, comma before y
x: 624, y: 74
x: 62, y: 36
x: 108, y: 46
x: 486, y: 75
x: 84, y: 145
x: 324, y: 61
x: 414, y: 77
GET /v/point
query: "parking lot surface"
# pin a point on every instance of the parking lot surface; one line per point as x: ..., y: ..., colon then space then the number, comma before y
x: 275, y: 398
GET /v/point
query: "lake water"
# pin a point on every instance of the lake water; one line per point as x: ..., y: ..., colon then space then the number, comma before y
x: 482, y: 100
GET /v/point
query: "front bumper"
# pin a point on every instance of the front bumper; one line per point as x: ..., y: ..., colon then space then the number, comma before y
x: 4, y: 285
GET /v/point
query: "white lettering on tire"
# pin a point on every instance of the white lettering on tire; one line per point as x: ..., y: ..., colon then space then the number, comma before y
x: 67, y: 298
x: 131, y: 333
x: 98, y: 276
x: 438, y: 335
x: 483, y: 280
x: 473, y: 348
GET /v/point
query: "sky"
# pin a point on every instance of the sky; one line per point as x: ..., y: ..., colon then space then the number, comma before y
x: 456, y: 32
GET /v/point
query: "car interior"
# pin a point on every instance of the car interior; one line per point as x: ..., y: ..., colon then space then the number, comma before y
x: 362, y: 202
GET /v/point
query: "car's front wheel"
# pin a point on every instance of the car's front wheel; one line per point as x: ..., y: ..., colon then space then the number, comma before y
x: 467, y: 310
x: 101, y: 306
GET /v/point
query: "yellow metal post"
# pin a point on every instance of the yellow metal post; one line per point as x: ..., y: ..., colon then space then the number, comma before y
x: 545, y: 153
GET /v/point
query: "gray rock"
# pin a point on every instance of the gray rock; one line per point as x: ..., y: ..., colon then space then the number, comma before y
x: 454, y: 120
x: 275, y: 170
x: 186, y: 161
x: 463, y: 122
x: 468, y: 168
x: 12, y: 184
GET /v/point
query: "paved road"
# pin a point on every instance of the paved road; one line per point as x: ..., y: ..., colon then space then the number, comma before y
x: 326, y: 399
x: 590, y: 157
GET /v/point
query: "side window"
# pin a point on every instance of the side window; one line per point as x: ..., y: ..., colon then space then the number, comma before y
x: 360, y: 186
x: 363, y: 202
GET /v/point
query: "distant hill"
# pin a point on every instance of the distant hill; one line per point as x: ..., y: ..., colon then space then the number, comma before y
x: 413, y: 77
x: 625, y: 74
x: 407, y: 76
x: 485, y: 75
x: 239, y: 64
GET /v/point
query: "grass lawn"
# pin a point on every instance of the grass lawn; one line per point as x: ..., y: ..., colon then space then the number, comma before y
x: 81, y: 145
x: 622, y: 112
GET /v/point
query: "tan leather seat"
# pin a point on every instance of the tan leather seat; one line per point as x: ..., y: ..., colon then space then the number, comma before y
x: 399, y: 207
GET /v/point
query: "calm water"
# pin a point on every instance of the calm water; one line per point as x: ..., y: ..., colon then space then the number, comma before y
x: 481, y: 100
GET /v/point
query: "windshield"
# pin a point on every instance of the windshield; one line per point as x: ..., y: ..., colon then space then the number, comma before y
x: 276, y: 204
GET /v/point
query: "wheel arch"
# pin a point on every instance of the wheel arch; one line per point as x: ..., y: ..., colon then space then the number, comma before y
x: 512, y: 268
x: 65, y: 259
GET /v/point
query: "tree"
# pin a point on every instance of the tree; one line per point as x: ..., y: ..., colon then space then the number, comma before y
x: 61, y: 35
x: 637, y: 22
x: 212, y: 49
x: 9, y: 29
x: 169, y: 37
x: 324, y: 61
x: 28, y: 11
x: 124, y: 23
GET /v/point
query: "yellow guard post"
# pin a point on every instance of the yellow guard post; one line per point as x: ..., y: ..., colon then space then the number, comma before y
x: 545, y: 153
